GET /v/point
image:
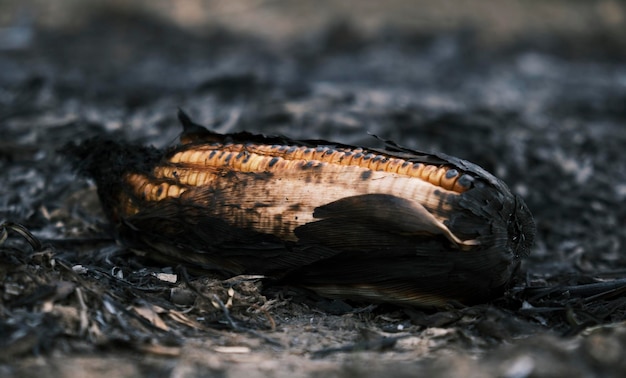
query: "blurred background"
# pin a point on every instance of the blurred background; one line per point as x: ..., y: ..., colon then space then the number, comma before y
x: 279, y: 20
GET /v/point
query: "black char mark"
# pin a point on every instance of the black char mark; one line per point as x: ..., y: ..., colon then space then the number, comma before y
x: 391, y: 250
x: 107, y: 161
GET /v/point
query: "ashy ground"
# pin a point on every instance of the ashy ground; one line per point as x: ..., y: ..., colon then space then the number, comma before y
x: 535, y: 92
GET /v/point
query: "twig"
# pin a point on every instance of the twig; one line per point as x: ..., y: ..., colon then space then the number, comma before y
x: 22, y: 231
x: 235, y: 327
x: 231, y: 322
x: 84, y: 321
x: 588, y: 291
x: 222, y: 306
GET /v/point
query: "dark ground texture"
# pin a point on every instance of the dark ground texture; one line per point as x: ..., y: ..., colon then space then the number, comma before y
x: 546, y: 113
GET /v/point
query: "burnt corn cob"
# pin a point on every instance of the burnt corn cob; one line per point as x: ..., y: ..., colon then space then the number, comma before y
x: 383, y: 225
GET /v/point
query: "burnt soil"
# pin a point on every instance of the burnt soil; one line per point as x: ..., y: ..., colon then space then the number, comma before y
x: 545, y: 114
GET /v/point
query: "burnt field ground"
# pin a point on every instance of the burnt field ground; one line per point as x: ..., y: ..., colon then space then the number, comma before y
x: 543, y: 108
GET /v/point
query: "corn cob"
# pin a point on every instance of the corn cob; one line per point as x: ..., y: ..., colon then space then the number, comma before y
x: 391, y: 225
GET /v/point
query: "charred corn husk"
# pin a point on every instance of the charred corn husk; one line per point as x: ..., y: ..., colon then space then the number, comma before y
x: 391, y: 224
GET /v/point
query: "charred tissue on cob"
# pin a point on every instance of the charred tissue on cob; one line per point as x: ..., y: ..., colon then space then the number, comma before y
x: 378, y: 225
